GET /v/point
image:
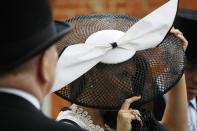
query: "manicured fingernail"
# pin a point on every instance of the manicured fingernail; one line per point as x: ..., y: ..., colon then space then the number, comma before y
x: 177, y: 34
x: 139, y: 96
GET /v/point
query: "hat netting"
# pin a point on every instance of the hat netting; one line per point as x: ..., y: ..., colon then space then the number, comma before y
x: 149, y: 73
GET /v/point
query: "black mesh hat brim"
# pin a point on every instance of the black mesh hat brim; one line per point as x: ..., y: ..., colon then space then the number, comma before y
x: 149, y: 73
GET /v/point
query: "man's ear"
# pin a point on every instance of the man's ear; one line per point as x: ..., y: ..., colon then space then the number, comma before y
x: 47, y: 65
x: 44, y: 62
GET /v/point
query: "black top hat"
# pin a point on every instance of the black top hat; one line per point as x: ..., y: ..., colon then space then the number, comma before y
x: 186, y: 21
x: 27, y: 29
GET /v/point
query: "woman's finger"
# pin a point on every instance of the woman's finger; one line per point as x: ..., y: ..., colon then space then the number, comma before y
x: 183, y: 41
x: 127, y: 103
x: 135, y: 112
x: 179, y: 35
x: 125, y: 117
x: 137, y: 115
x: 175, y: 31
x: 128, y: 116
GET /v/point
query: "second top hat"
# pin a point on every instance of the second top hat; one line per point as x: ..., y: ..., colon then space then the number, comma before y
x: 186, y: 21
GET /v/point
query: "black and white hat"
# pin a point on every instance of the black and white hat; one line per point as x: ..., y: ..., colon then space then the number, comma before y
x: 108, y: 58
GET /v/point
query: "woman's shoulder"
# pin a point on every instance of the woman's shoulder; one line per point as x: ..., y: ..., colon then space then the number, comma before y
x: 78, y: 116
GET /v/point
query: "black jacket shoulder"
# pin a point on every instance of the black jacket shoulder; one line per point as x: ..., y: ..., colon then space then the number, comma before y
x: 17, y: 113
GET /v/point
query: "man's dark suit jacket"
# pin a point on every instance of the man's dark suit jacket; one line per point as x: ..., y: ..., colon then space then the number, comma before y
x: 17, y: 113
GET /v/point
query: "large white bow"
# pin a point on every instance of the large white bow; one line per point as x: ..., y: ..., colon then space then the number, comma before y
x: 146, y: 33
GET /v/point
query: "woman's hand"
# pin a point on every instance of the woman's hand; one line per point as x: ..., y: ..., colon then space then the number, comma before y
x: 126, y: 115
x: 179, y: 35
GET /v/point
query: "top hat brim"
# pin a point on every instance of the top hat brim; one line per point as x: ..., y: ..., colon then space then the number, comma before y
x: 36, y: 45
x: 62, y: 29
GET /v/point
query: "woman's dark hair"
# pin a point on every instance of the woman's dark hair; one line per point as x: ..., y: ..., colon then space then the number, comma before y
x: 149, y: 122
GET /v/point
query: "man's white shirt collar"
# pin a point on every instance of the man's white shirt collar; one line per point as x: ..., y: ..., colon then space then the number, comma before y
x: 27, y: 96
x: 194, y: 104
